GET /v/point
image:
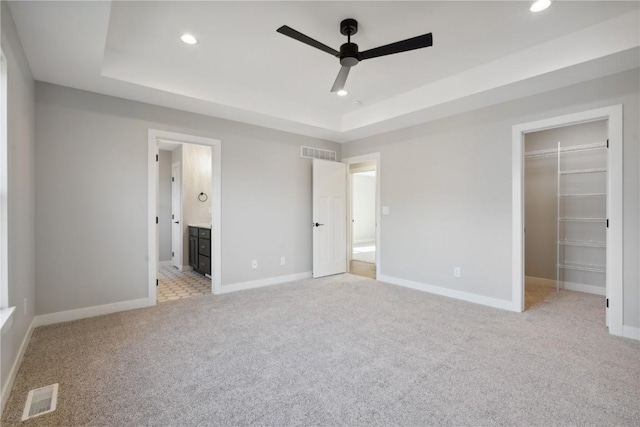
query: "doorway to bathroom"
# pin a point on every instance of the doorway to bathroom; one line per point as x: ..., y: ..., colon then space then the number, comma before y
x: 184, y: 203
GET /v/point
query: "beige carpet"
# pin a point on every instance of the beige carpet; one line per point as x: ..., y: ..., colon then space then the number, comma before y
x: 537, y: 294
x: 342, y: 350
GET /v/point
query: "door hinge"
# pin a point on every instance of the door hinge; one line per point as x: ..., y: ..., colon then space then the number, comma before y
x: 172, y: 254
x: 157, y: 282
x: 607, y: 222
x: 172, y: 216
x: 607, y: 302
x: 173, y: 179
x: 607, y: 143
x: 156, y: 157
x: 156, y: 220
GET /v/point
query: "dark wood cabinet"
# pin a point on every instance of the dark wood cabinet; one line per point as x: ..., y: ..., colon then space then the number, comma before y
x: 200, y: 249
x: 193, y: 252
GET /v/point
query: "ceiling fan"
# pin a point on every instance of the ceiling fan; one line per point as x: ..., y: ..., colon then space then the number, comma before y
x: 349, y: 54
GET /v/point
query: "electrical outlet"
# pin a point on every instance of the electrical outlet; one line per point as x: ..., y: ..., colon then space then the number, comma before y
x: 254, y: 264
x: 457, y: 272
x: 282, y: 261
x: 24, y: 306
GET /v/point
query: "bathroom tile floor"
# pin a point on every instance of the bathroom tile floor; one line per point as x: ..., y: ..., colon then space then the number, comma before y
x: 174, y: 284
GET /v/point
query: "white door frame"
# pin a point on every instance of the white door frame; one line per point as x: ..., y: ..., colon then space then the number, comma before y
x: 361, y: 159
x: 154, y: 135
x: 177, y: 245
x: 614, y: 272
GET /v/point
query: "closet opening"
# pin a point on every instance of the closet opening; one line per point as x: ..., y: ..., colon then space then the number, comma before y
x: 566, y: 190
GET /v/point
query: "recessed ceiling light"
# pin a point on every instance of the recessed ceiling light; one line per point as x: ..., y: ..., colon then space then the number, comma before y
x: 189, y: 39
x: 540, y: 5
x: 342, y: 92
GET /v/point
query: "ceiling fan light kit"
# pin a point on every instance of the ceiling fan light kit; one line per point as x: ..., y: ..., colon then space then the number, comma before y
x: 349, y: 53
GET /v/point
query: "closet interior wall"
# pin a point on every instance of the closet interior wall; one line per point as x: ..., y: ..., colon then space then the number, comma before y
x: 565, y: 207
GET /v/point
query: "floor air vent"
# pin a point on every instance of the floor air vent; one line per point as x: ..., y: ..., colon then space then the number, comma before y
x: 41, y: 401
x: 317, y: 153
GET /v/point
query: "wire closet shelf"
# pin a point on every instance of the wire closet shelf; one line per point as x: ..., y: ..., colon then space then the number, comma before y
x: 561, y: 242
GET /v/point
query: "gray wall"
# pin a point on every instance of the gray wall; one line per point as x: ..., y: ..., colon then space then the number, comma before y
x: 448, y: 186
x: 541, y: 184
x: 21, y: 192
x: 164, y: 202
x: 91, y: 189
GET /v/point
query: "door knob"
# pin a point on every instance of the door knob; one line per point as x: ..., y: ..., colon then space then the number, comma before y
x: 317, y: 224
x: 177, y: 222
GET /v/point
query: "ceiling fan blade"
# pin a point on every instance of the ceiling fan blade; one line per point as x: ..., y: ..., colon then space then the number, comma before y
x: 418, y: 42
x: 290, y: 32
x: 341, y: 79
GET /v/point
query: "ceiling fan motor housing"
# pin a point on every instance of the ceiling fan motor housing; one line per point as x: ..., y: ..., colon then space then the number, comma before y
x: 349, y: 55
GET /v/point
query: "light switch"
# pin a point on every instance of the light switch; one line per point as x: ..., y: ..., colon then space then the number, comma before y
x: 385, y: 210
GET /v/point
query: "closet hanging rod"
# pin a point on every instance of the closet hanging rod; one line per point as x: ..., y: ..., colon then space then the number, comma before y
x: 576, y: 171
x: 583, y: 267
x: 570, y: 195
x: 570, y: 149
x: 583, y: 219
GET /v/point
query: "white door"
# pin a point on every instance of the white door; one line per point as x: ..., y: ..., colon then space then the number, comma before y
x: 329, y: 218
x: 176, y: 211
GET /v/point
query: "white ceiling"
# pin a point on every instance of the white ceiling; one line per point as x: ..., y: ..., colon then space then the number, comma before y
x: 241, y: 69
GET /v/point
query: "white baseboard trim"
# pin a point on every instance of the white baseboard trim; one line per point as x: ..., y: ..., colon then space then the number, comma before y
x: 165, y: 263
x: 241, y: 286
x: 16, y: 366
x: 540, y: 281
x: 579, y: 287
x: 569, y: 286
x: 83, y: 313
x: 451, y: 293
x: 631, y: 332
x: 361, y: 241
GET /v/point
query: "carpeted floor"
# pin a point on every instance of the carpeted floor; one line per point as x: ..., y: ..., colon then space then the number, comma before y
x: 342, y: 350
x: 537, y: 294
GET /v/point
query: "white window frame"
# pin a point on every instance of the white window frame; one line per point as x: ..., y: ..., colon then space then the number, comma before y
x: 4, y: 277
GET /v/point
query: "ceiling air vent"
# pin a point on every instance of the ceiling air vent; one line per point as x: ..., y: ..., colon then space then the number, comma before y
x: 41, y: 401
x: 317, y: 153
